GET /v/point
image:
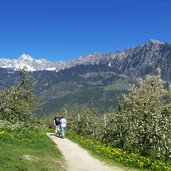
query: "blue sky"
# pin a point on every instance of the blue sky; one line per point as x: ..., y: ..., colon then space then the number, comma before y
x: 65, y: 29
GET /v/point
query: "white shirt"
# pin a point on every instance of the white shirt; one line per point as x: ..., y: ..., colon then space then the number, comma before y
x: 63, y: 122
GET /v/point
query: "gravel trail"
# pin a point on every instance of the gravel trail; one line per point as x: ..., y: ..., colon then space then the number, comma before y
x: 78, y: 159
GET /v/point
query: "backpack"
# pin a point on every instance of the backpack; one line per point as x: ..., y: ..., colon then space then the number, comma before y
x: 57, y: 120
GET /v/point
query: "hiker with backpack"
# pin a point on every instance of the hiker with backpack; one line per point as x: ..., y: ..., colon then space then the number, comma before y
x: 57, y: 125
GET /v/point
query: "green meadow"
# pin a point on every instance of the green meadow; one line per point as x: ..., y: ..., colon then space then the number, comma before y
x: 29, y: 150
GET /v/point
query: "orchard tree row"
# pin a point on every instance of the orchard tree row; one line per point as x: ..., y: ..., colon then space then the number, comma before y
x: 141, y: 123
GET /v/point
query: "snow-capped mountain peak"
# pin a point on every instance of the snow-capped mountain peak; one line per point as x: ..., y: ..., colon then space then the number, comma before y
x: 156, y: 41
x: 26, y: 58
x: 147, y: 50
x: 26, y: 61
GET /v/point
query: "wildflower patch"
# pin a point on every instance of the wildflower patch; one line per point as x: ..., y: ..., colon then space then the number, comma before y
x: 120, y: 155
x: 3, y: 132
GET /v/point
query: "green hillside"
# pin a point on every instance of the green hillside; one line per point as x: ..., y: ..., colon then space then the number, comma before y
x: 80, y: 85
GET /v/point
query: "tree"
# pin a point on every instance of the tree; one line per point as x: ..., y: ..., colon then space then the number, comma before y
x: 17, y: 103
x: 149, y: 116
x: 116, y: 127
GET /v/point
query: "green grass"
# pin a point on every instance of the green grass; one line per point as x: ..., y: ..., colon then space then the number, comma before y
x: 95, y: 83
x: 107, y: 160
x: 29, y: 151
x: 117, y: 85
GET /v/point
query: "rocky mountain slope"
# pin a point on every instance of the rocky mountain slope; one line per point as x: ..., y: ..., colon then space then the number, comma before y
x: 94, y: 78
x: 134, y: 62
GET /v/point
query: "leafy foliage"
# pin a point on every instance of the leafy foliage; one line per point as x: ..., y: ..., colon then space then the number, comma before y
x: 141, y: 124
x: 17, y: 102
x: 148, y: 110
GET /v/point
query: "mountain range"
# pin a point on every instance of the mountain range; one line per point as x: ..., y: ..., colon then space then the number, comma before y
x: 143, y: 59
x: 98, y: 78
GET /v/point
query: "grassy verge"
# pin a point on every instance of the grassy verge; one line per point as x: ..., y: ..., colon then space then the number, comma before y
x: 118, y: 157
x: 28, y: 150
x: 92, y: 151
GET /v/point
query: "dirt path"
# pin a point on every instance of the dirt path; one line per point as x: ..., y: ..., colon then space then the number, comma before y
x: 78, y: 159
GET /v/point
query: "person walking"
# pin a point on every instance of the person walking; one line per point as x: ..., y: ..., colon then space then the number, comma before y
x: 57, y: 125
x: 63, y: 124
